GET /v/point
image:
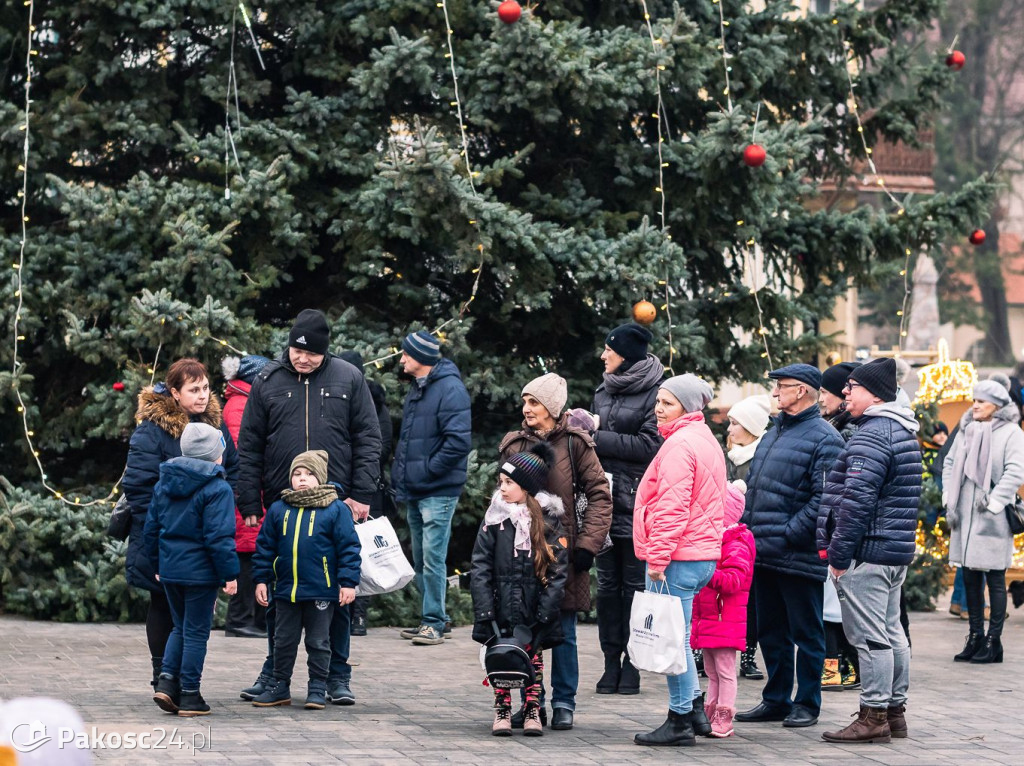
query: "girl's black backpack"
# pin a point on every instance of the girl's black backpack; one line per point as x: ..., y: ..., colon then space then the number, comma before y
x: 507, y: 660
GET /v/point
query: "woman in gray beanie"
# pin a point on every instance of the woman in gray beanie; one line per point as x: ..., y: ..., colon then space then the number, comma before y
x: 980, y: 477
x: 577, y: 472
x: 677, y: 530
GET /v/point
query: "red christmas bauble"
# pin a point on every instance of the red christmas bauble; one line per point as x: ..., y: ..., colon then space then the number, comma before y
x: 754, y: 155
x: 977, y: 237
x: 118, y: 386
x: 644, y: 312
x: 956, y: 61
x: 510, y: 11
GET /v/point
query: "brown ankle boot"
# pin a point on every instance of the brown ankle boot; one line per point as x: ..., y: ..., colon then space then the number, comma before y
x: 897, y: 721
x: 872, y: 725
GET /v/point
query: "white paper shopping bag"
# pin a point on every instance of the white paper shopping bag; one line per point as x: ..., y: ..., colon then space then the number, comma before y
x: 657, y: 634
x: 384, y: 568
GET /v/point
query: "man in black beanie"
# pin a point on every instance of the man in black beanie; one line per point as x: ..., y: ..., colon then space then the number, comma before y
x: 309, y: 399
x: 867, y: 530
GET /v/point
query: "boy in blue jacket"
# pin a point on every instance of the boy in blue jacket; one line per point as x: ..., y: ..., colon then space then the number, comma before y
x: 307, y: 552
x: 190, y: 540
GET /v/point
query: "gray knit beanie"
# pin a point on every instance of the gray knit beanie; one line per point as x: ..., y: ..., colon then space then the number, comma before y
x: 691, y: 392
x: 202, y: 442
x: 992, y: 391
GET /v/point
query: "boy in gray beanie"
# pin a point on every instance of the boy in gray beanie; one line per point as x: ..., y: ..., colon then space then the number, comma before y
x: 190, y: 540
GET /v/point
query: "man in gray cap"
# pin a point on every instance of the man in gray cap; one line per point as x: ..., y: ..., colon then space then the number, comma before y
x: 784, y: 488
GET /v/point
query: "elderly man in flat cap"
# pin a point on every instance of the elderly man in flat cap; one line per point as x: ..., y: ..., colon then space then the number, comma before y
x: 784, y: 488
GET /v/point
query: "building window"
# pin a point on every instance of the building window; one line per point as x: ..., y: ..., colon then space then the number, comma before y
x: 822, y: 6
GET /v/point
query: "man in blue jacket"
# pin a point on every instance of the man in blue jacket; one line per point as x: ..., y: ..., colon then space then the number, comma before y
x: 431, y: 459
x: 868, y: 523
x: 784, y: 487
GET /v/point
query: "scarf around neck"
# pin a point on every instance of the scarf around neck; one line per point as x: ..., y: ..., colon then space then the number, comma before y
x: 517, y: 513
x: 743, y: 453
x: 320, y: 496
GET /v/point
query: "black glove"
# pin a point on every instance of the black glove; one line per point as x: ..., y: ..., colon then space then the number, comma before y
x: 483, y: 632
x: 582, y: 560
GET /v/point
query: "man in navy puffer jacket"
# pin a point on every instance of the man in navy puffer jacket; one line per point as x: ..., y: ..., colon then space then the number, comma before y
x: 431, y: 458
x: 868, y: 522
x: 784, y: 487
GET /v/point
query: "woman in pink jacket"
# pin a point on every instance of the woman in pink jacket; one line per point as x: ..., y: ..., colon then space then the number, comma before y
x: 720, y: 614
x: 677, y: 531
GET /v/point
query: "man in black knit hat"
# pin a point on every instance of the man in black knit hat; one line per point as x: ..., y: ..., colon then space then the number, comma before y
x: 305, y: 400
x: 866, y: 530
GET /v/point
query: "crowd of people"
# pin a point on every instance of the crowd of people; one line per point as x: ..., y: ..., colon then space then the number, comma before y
x: 796, y: 539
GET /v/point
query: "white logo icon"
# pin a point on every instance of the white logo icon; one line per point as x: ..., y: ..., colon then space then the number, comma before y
x: 301, y: 339
x: 36, y: 737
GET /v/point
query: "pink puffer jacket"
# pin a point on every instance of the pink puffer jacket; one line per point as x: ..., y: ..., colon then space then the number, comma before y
x: 680, y: 501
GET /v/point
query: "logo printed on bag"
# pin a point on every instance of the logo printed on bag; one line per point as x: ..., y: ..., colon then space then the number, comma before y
x: 649, y: 622
x: 379, y: 541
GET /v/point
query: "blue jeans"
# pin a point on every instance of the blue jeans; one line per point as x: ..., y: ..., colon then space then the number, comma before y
x: 192, y: 612
x: 565, y: 666
x: 430, y: 527
x: 684, y: 579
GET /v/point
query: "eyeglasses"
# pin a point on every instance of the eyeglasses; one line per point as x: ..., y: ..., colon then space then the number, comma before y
x: 787, y: 385
x: 850, y: 385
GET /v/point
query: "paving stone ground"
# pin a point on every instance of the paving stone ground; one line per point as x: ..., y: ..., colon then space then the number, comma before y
x: 426, y: 705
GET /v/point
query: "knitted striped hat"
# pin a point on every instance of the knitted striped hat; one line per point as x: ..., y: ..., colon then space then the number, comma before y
x: 530, y: 469
x: 423, y: 347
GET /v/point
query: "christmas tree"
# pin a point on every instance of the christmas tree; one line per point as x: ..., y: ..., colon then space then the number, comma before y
x: 200, y: 172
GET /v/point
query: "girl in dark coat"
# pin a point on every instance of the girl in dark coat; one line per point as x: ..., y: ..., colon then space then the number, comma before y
x: 519, y: 571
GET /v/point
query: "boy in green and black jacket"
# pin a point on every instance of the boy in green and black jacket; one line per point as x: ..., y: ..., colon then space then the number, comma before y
x: 308, y: 558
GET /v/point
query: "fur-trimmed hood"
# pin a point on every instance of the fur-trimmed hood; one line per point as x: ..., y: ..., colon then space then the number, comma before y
x: 157, y: 405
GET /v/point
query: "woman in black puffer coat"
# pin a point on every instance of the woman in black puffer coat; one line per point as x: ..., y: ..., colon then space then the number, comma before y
x: 626, y: 440
x: 164, y: 411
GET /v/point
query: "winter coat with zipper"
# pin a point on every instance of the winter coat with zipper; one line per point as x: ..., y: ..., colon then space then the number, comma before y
x: 503, y: 582
x: 869, y: 507
x: 307, y: 554
x: 236, y: 394
x: 680, y: 504
x: 432, y: 452
x: 627, y: 437
x: 161, y: 421
x: 592, y: 483
x: 720, y: 607
x: 738, y: 459
x: 784, y: 488
x: 979, y: 535
x: 288, y: 413
x: 189, y: 535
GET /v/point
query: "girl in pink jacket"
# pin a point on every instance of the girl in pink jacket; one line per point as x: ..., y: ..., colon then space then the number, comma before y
x: 720, y: 614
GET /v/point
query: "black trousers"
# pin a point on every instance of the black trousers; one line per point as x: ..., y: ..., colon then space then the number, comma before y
x: 290, y: 619
x: 620, y: 574
x: 837, y: 647
x: 789, y: 618
x: 243, y: 611
x: 974, y: 586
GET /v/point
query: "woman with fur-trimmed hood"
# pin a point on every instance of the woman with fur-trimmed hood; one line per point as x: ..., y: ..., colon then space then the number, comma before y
x: 164, y: 411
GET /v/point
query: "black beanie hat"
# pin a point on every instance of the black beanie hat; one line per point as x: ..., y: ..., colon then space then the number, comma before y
x: 354, y: 358
x: 310, y: 332
x: 834, y: 378
x: 530, y: 469
x: 629, y: 341
x: 879, y: 377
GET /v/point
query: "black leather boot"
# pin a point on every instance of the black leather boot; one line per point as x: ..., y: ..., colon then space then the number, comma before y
x: 699, y: 719
x: 990, y: 651
x: 609, y: 681
x: 748, y: 666
x: 972, y: 646
x: 676, y: 731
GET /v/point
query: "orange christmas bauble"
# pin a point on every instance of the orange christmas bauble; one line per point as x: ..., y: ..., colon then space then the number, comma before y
x: 644, y: 312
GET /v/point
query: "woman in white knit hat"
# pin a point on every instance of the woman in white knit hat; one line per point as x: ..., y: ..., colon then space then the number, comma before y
x: 748, y: 420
